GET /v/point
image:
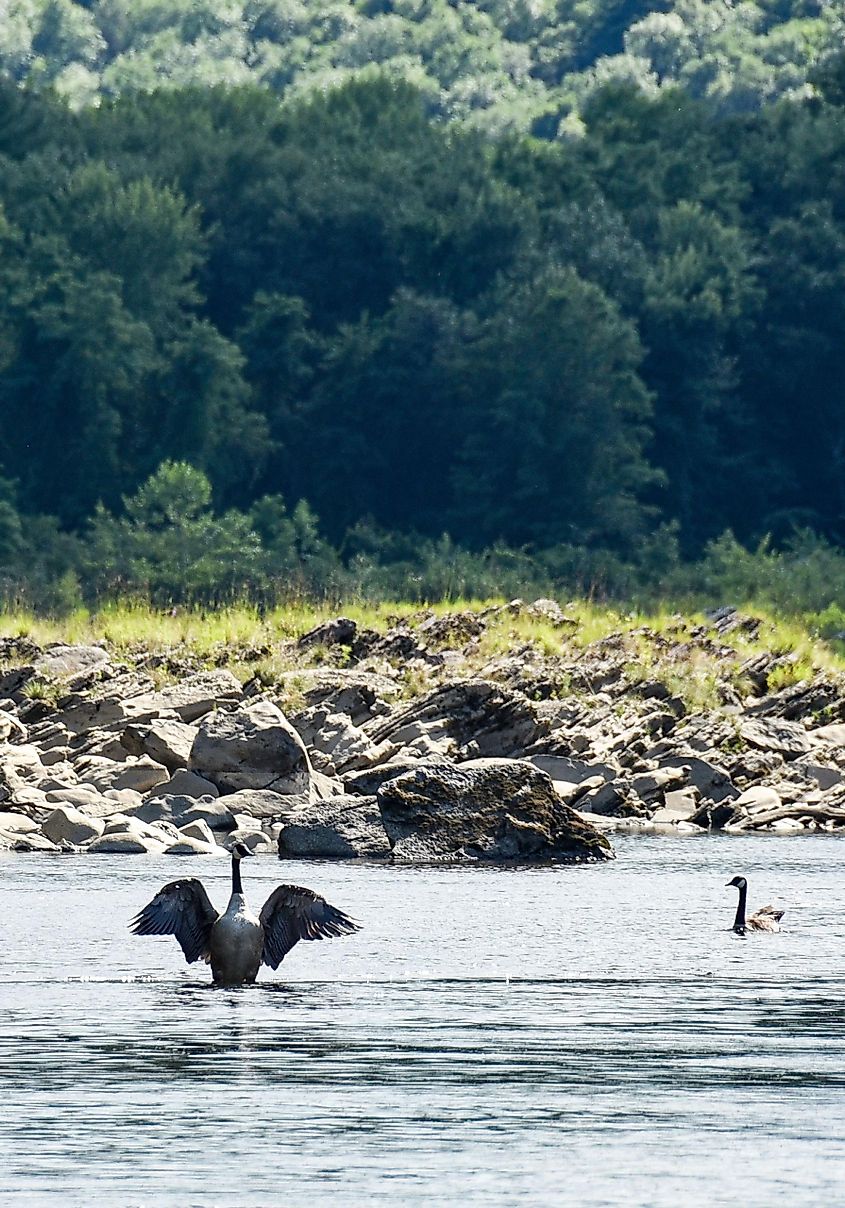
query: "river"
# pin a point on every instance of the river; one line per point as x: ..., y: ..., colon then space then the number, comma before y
x: 541, y: 1036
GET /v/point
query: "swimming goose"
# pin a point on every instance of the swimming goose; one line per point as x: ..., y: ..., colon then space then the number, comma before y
x: 764, y: 919
x: 236, y: 943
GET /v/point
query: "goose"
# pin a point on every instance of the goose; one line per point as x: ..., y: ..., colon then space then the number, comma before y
x: 236, y: 943
x: 767, y: 918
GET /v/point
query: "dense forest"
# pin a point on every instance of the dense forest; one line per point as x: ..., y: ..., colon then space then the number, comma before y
x: 303, y: 338
x: 522, y: 65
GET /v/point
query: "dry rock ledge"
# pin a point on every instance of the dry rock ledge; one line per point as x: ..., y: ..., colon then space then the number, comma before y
x: 528, y: 757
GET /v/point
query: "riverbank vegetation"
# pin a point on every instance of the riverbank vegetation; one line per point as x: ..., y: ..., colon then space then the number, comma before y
x: 332, y: 347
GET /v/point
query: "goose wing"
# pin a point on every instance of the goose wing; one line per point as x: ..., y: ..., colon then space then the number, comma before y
x: 291, y: 914
x: 183, y: 909
x: 767, y: 918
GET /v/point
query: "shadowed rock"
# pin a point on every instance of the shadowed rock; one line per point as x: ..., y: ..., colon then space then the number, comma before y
x: 487, y: 809
x: 340, y: 828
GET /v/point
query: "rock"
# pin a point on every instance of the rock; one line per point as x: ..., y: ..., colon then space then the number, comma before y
x: 161, y: 809
x: 198, y: 829
x: 680, y: 805
x: 788, y: 738
x: 264, y: 804
x: 570, y: 793
x: 140, y: 774
x: 61, y: 662
x: 336, y: 829
x: 340, y: 631
x: 11, y: 730
x: 824, y: 776
x: 195, y: 696
x: 85, y: 798
x: 17, y: 823
x: 612, y: 798
x: 96, y: 742
x: 344, y: 744
x: 650, y: 786
x: 323, y: 787
x: 828, y: 736
x: 714, y: 815
x: 32, y: 841
x: 480, y: 717
x: 711, y: 780
x: 571, y: 771
x: 247, y: 825
x: 360, y: 695
x: 488, y: 809
x: 213, y: 813
x: 368, y: 781
x: 167, y: 742
x: 254, y: 747
x: 187, y: 784
x: 125, y: 843
x: 758, y: 797
x: 55, y: 755
x: 257, y: 842
x: 189, y: 846
x: 69, y: 825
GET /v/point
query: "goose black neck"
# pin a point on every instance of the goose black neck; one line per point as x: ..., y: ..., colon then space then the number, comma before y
x: 237, y: 887
x: 739, y: 921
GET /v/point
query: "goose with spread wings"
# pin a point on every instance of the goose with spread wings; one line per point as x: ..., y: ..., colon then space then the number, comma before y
x: 236, y: 943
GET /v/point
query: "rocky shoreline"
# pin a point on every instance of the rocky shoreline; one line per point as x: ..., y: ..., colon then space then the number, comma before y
x: 405, y: 745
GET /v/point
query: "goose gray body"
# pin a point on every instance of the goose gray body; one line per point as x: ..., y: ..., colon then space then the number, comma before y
x: 767, y: 918
x: 236, y: 943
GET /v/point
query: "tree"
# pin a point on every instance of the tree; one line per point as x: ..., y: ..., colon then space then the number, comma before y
x: 557, y: 420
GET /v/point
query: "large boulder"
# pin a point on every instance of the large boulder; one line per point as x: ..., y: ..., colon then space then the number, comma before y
x: 336, y: 829
x: 486, y: 809
x: 254, y: 747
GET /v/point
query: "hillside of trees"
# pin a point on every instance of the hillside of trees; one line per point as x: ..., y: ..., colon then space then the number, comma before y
x: 335, y: 328
x: 521, y: 65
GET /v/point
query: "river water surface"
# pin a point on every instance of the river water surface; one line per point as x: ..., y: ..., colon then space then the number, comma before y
x: 587, y: 1036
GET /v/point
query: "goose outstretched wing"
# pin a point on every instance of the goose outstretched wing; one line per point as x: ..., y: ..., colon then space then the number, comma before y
x: 183, y: 909
x: 291, y: 914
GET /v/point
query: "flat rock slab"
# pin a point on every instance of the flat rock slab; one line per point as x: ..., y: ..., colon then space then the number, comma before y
x: 486, y: 809
x: 17, y: 823
x: 788, y: 738
x: 61, y: 662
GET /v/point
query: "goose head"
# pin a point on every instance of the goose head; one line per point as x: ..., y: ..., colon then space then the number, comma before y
x: 240, y: 851
x: 737, y: 882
